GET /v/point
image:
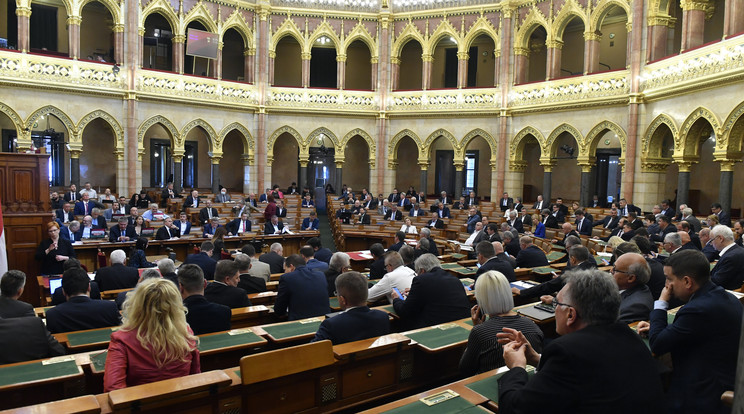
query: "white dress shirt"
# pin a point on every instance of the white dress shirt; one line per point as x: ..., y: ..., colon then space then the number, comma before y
x: 401, y: 278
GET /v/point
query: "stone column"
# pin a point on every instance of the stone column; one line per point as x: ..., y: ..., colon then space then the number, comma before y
x: 394, y: 73
x: 423, y: 177
x: 177, y: 173
x: 462, y: 69
x: 306, y: 69
x: 247, y: 179
x: 178, y: 53
x: 141, y: 42
x: 373, y: 83
x: 725, y: 185
x: 339, y: 175
x: 75, y: 167
x: 264, y: 78
x: 427, y: 61
x: 119, y: 43
x: 217, y: 63
x: 636, y: 62
x: 693, y: 23
x: 586, y: 185
x: 547, y: 179
x: 303, y: 173
x: 387, y: 80
x: 270, y: 69
x: 496, y: 68
x: 216, y: 175
x: 24, y: 35
x: 591, y: 53
x: 734, y: 17
x: 554, y: 59
x: 73, y: 35
x: 683, y: 182
x: 521, y: 65
x: 341, y: 71
x: 131, y: 178
x: 459, y: 167
x: 249, y: 57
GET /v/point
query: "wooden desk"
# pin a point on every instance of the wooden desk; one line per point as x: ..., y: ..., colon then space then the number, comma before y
x: 262, y: 298
x: 249, y: 316
x: 80, y: 341
x: 284, y: 332
x: 441, y: 337
x: 87, y: 404
x: 36, y: 381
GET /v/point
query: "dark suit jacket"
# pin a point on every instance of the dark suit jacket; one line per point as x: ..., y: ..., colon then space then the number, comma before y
x: 64, y: 233
x: 189, y: 203
x: 364, y: 219
x: 433, y: 249
x: 503, y: 256
x: 187, y: 230
x: 61, y: 215
x: 526, y: 220
x: 206, y: 263
x: 598, y: 369
x: 586, y: 227
x: 251, y: 284
x: 532, y: 256
x: 545, y: 205
x: 555, y: 284
x: 419, y: 212
x: 204, y: 214
x: 164, y: 233
x: 26, y: 339
x: 269, y: 228
x: 499, y: 265
x: 608, y: 222
x: 558, y: 215
x: 517, y: 225
x: 504, y: 203
x: 115, y: 233
x: 208, y: 230
x: 82, y: 312
x: 512, y: 247
x: 304, y: 292
x: 710, y: 252
x: 117, y: 276
x: 377, y: 269
x: 443, y: 213
x: 398, y: 215
x: 58, y: 296
x: 68, y: 196
x: 234, y: 226
x: 438, y: 225
x: 636, y: 304
x: 12, y: 308
x: 281, y: 212
x: 728, y: 271
x: 206, y: 317
x: 551, y: 222
x: 662, y: 233
x: 230, y: 296
x: 704, y: 342
x: 394, y: 198
x: 275, y: 261
x: 435, y: 297
x: 80, y: 210
x: 396, y: 247
x: 99, y: 223
x: 724, y: 218
x: 353, y: 325
x: 658, y: 280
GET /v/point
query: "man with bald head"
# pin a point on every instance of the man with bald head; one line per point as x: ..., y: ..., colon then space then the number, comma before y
x: 567, y: 231
x: 631, y: 273
x: 498, y: 248
x: 709, y: 251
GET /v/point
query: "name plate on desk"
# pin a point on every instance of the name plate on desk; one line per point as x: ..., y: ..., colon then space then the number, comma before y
x: 439, y: 397
x: 57, y: 360
x: 311, y: 320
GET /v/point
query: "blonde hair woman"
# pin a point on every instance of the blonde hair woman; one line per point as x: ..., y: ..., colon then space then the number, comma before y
x: 154, y: 342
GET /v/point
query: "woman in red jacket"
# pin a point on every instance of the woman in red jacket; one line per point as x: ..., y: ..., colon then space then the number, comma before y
x: 155, y: 342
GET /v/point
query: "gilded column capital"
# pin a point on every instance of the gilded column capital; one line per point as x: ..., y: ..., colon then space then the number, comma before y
x: 392, y: 165
x: 215, y: 159
x: 521, y: 51
x: 74, y: 20
x: 141, y: 31
x: 547, y: 165
x: 592, y: 36
x: 272, y: 54
x: 374, y: 60
x: 395, y: 60
x: 427, y: 58
x: 586, y: 168
x: 727, y: 164
x: 339, y: 163
x: 247, y: 160
x: 463, y: 56
x: 554, y: 44
x: 688, y: 5
x: 178, y: 38
x: 303, y: 55
x: 75, y: 153
x: 220, y: 45
x: 517, y: 166
x: 23, y: 12
x: 684, y: 165
x: 251, y: 52
x: 177, y: 158
x: 340, y: 58
x: 459, y: 165
x: 119, y: 28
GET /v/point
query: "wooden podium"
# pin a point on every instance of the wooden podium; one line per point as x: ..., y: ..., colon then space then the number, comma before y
x: 24, y: 194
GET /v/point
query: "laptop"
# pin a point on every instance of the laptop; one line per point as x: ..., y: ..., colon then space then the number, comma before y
x: 54, y: 284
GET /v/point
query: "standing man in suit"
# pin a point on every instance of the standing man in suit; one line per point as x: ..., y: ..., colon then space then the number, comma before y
x: 72, y: 195
x: 539, y: 204
x: 122, y: 231
x: 224, y: 290
x: 204, y: 259
x: 703, y: 339
x: 206, y: 213
x: 723, y: 216
x: 394, y: 214
x: 302, y: 292
x: 168, y: 193
x: 168, y: 230
x: 84, y: 206
x: 436, y: 296
x: 65, y: 215
x: 274, y: 258
x: 357, y: 321
x: 728, y: 271
x: 666, y: 209
x: 80, y: 311
x: 239, y: 225
x: 11, y: 288
x: 274, y: 226
x: 505, y: 202
x: 583, y: 225
x: 203, y: 316
x: 117, y: 276
x: 192, y: 201
x: 530, y: 255
x: 584, y: 368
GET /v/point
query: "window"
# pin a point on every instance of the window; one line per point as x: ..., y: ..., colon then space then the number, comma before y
x: 189, y: 164
x: 471, y: 171
x: 53, y: 144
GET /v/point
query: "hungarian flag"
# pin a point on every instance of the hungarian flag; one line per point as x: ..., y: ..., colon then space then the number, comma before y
x: 3, y: 249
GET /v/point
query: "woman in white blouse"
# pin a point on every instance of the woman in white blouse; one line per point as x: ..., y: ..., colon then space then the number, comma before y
x: 408, y: 227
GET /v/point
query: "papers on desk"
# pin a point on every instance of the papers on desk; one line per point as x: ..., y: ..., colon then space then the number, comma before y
x: 521, y: 285
x: 366, y: 255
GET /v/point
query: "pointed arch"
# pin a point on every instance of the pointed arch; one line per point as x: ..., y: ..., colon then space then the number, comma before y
x: 238, y: 23
x: 533, y: 19
x: 368, y: 138
x: 53, y: 110
x: 272, y: 139
x: 287, y: 28
x: 113, y: 123
x: 327, y: 132
x: 601, y: 10
x: 568, y: 12
x: 553, y: 138
x: 164, y: 8
x: 215, y: 145
x: 441, y: 132
x: 111, y: 5
x: 482, y: 26
x: 201, y: 14
x: 516, y: 148
x: 682, y: 144
x: 324, y: 29
x: 444, y: 28
x: 395, y: 142
x: 483, y: 134
x: 730, y: 140
x: 248, y: 142
x: 176, y: 140
x: 359, y: 32
x: 14, y: 117
x: 651, y: 144
x: 589, y: 149
x: 410, y: 32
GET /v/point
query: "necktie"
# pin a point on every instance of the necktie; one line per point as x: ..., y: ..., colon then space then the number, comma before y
x: 620, y: 234
x: 209, y: 211
x: 85, y: 207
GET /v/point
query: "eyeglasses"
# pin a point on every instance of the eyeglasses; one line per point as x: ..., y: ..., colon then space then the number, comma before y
x: 616, y: 270
x: 556, y: 303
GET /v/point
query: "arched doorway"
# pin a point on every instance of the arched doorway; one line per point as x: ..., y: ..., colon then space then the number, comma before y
x: 613, y: 44
x: 288, y: 63
x: 157, y: 161
x: 407, y: 170
x: 356, y: 162
x: 566, y: 174
x: 97, y: 33
x: 411, y: 66
x: 441, y: 173
x: 232, y: 165
x: 484, y: 49
x: 571, y: 61
x: 285, y: 167
x: 477, y: 170
x: 323, y: 66
x: 537, y: 56
x: 359, y: 67
x: 157, y: 52
x: 98, y: 163
x: 233, y: 61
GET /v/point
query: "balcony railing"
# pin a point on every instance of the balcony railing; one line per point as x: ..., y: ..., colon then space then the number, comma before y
x: 301, y: 98
x: 212, y: 90
x: 577, y: 89
x: 445, y: 99
x: 60, y: 72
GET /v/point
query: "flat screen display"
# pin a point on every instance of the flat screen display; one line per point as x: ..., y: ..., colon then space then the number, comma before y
x: 201, y: 43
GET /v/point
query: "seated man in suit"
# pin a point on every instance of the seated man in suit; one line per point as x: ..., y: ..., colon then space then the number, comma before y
x: 167, y: 193
x: 168, y: 231
x: 460, y: 204
x: 417, y: 211
x: 489, y: 261
x: 26, y: 339
x: 302, y: 292
x: 274, y: 226
x: 558, y: 213
x: 511, y: 243
x: 116, y: 209
x: 665, y: 227
x: 11, y: 288
x: 357, y: 321
x: 394, y: 197
x: 55, y: 201
x: 208, y: 212
x: 118, y: 275
x: 442, y: 210
x: 357, y: 206
x: 99, y: 222
x: 473, y: 217
x: 472, y: 199
x: 321, y: 253
x: 65, y: 214
x: 498, y: 248
x: 394, y: 214
x: 728, y: 272
x: 122, y: 232
x: 505, y: 202
x: 363, y: 217
x: 146, y: 274
x: 192, y: 201
x: 705, y: 240
x: 280, y: 210
x: 369, y: 203
x: 632, y: 273
x: 514, y: 222
x: 436, y: 296
x: 704, y: 337
x: 625, y: 208
x: 203, y: 316
x: 80, y: 312
x: 435, y: 222
x: 247, y: 281
x: 311, y: 222
x: 204, y: 259
x: 311, y: 262
x: 224, y: 290
x: 72, y: 195
x: 72, y: 232
x: 404, y: 204
x: 153, y: 213
x: 209, y: 228
x: 84, y: 206
x: 583, y: 224
x: 183, y: 224
x: 584, y: 368
x: 610, y: 221
x: 223, y: 196
x: 567, y: 231
x: 548, y: 219
x: 443, y: 199
x: 307, y: 201
x: 239, y: 225
x: 398, y: 241
x: 274, y: 258
x: 530, y: 255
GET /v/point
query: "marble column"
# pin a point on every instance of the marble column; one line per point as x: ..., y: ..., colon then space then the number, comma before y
x: 339, y: 175
x: 141, y: 41
x: 547, y: 180
x: 394, y: 73
x: 249, y: 57
x: 216, y: 175
x: 734, y: 16
x: 521, y: 65
x: 693, y: 24
x: 217, y: 63
x: 656, y: 44
x: 497, y: 69
x: 554, y: 59
x: 591, y: 52
x: 178, y: 53
x: 73, y: 35
x: 119, y: 44
x: 132, y: 60
x: 303, y: 174
x: 341, y: 71
x: 725, y: 185
x: 177, y: 173
x: 423, y: 177
x: 264, y: 78
x: 427, y: 61
x: 23, y: 15
x: 586, y: 185
x: 462, y: 69
x: 270, y: 70
x: 459, y: 167
x: 247, y: 179
x: 373, y: 83
x: 75, y: 167
x: 683, y: 182
x: 306, y: 69
x: 634, y: 107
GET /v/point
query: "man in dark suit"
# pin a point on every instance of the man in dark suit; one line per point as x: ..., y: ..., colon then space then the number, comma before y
x: 567, y: 231
x: 525, y: 218
x: 369, y: 203
x: 472, y: 199
x: 631, y: 273
x: 583, y: 225
x: 626, y: 208
x: 274, y: 258
x: 460, y: 204
x: 394, y: 214
x: 579, y: 258
x: 167, y: 193
x: 72, y: 196
x: 548, y: 220
x: 203, y: 316
x: 596, y: 202
x: 357, y: 321
x: 25, y: 339
x: 443, y: 199
x: 442, y: 210
x: 608, y: 222
x: 473, y: 217
x: 425, y: 233
x: 417, y: 211
x: 561, y: 207
x: 224, y: 290
x: 246, y: 281
x: 116, y: 209
x: 399, y: 241
x: 530, y: 255
x: 55, y: 201
x: 206, y: 213
x: 688, y: 217
x: 377, y: 267
x: 394, y: 197
x: 209, y: 228
x: 558, y: 214
x: 117, y: 276
x: 666, y: 209
x: 122, y: 232
x: 723, y: 216
x: 183, y: 224
x: 514, y: 222
x: 492, y: 231
x: 280, y: 210
x: 404, y: 204
x: 192, y: 201
x: 511, y: 243
x: 204, y: 259
x: 728, y: 271
x: 302, y: 292
x: 505, y: 202
x: 686, y: 228
x: 498, y: 248
x: 435, y: 222
x: 168, y: 230
x: 518, y: 206
x: 703, y: 339
x: 239, y: 225
x: 708, y: 249
x: 540, y: 204
x: 363, y: 217
x: 80, y: 311
x: 274, y: 226
x: 488, y: 261
x: 665, y: 227
x: 72, y: 232
x: 582, y: 370
x: 84, y: 206
x: 99, y: 222
x: 65, y: 214
x: 436, y: 296
x: 11, y: 288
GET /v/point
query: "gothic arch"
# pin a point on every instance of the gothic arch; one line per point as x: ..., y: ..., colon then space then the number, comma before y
x: 111, y: 5
x: 481, y: 27
x: 53, y: 110
x: 479, y: 133
x: 272, y: 139
x: 69, y: 9
x: 683, y: 146
x: 395, y: 142
x: 600, y: 12
x: 553, y: 138
x: 589, y: 149
x: 516, y: 148
x: 287, y: 28
x: 441, y: 132
x: 327, y: 132
x: 215, y: 145
x: 202, y: 15
x: 410, y: 32
x: 14, y: 117
x: 367, y: 138
x: 164, y: 8
x: 248, y: 142
x: 533, y: 19
x: 730, y: 141
x: 444, y: 28
x: 359, y: 32
x: 176, y: 139
x: 651, y: 144
x: 568, y: 12
x: 113, y: 123
x: 236, y: 22
x: 324, y: 29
